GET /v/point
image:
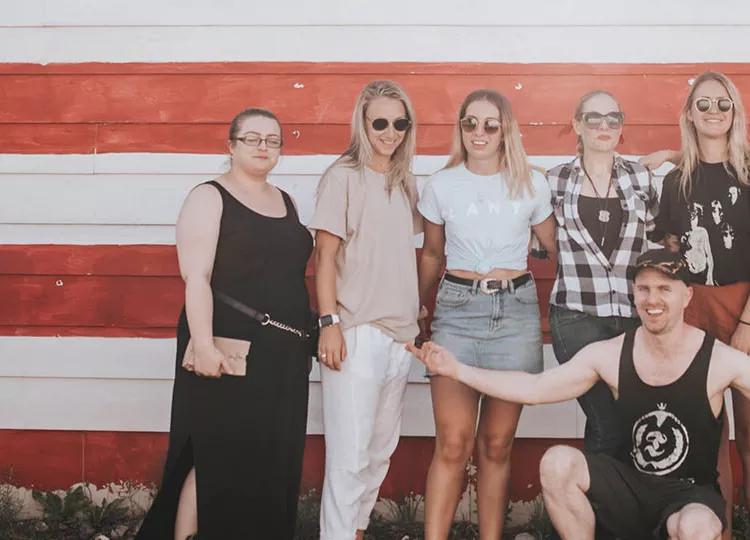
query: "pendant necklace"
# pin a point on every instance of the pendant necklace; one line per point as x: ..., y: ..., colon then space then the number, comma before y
x: 603, y: 214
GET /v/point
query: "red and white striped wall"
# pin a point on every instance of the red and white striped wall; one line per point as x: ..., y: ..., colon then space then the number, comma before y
x: 110, y: 112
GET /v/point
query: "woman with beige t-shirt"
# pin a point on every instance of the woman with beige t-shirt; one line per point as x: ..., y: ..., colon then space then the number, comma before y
x: 366, y: 277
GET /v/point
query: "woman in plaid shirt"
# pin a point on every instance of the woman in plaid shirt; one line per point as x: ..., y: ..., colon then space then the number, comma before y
x: 604, y: 206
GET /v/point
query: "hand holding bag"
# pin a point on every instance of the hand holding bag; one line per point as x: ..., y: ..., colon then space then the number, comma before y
x: 234, y: 350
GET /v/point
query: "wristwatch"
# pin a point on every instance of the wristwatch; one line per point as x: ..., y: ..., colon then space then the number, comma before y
x: 328, y: 320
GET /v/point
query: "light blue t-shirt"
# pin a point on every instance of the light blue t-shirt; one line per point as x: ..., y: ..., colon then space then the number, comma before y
x: 484, y: 228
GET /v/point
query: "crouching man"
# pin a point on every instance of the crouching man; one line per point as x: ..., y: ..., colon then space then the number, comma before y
x: 668, y: 380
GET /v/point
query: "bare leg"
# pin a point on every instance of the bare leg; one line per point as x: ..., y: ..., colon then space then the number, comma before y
x: 497, y: 428
x: 565, y: 481
x: 741, y: 407
x: 186, y: 522
x: 455, y: 408
x: 694, y: 522
x: 726, y: 480
x: 360, y: 535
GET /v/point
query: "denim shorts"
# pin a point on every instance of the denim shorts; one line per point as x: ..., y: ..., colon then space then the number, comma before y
x: 499, y: 331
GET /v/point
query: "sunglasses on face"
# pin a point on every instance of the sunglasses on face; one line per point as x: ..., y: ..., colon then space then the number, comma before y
x: 723, y: 104
x: 399, y: 124
x: 272, y: 141
x: 469, y: 124
x: 593, y: 120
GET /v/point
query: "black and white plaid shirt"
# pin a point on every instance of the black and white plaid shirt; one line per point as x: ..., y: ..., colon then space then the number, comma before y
x: 586, y: 280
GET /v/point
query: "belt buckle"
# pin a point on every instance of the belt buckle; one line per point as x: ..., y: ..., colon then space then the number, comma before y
x: 484, y: 286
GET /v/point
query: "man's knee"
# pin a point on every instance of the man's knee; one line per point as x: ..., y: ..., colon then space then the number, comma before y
x: 562, y: 466
x: 694, y: 522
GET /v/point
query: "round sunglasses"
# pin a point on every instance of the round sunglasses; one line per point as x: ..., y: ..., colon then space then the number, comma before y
x: 593, y: 120
x: 469, y: 124
x: 723, y: 104
x: 399, y: 124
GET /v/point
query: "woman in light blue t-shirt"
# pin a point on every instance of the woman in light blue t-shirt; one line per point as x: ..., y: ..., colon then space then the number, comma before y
x: 479, y: 214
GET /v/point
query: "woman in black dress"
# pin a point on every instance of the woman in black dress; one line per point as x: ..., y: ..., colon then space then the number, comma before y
x: 236, y: 442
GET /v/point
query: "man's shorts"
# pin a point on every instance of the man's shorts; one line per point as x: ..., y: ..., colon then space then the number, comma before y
x: 634, y: 506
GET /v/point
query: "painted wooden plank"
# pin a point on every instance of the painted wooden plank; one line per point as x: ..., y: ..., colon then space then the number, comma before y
x: 375, y: 69
x: 110, y: 301
x: 205, y: 166
x: 48, y: 138
x: 86, y: 234
x: 361, y: 13
x: 450, y: 43
x: 141, y: 403
x: 312, y: 99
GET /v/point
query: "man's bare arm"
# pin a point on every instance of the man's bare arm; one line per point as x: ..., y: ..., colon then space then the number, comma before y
x: 562, y: 383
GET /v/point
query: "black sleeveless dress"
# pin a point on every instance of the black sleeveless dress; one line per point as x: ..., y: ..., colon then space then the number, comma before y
x: 244, y: 435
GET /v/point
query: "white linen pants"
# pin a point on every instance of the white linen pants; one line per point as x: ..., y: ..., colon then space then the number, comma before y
x: 362, y: 407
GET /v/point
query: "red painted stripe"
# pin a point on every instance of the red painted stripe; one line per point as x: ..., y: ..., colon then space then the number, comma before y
x: 116, y: 290
x: 215, y: 98
x: 57, y: 459
x: 300, y: 139
x: 370, y: 68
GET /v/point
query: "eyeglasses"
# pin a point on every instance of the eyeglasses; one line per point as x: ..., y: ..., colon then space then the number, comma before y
x: 723, y: 104
x: 469, y: 124
x: 593, y: 120
x: 399, y: 124
x: 272, y: 141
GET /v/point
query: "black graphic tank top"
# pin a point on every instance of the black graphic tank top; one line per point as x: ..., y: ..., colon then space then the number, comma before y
x: 671, y: 428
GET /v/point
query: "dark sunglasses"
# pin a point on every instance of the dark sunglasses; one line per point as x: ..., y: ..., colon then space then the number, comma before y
x: 593, y: 120
x: 469, y: 124
x: 724, y: 104
x: 399, y: 124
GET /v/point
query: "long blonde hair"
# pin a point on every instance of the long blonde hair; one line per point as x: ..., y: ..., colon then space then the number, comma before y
x: 360, y: 152
x: 513, y: 160
x: 738, y: 150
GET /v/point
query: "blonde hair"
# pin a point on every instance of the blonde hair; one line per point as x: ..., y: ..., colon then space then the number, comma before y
x: 360, y: 152
x: 738, y: 151
x: 513, y: 160
x: 578, y: 114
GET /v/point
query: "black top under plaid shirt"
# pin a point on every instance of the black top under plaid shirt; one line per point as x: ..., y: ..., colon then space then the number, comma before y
x: 586, y: 280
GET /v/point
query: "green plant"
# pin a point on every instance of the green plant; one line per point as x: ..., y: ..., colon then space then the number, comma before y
x: 740, y: 523
x: 62, y: 514
x: 10, y: 510
x: 539, y: 523
x: 308, y: 516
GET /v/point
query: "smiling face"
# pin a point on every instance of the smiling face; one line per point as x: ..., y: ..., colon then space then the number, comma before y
x: 254, y: 159
x: 599, y: 136
x: 660, y: 300
x: 713, y: 123
x: 384, y: 142
x: 479, y: 143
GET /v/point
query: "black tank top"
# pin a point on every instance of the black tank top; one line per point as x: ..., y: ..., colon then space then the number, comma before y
x: 671, y: 428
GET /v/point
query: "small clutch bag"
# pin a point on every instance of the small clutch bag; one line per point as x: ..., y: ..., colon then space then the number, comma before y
x: 234, y: 350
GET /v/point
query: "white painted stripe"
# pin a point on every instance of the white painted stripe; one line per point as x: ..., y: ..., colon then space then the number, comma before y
x: 366, y: 43
x: 87, y: 234
x: 124, y: 384
x: 135, y: 198
x: 207, y: 165
x: 361, y: 12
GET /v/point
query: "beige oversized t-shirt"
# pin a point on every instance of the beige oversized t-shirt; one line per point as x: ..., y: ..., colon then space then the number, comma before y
x: 376, y: 267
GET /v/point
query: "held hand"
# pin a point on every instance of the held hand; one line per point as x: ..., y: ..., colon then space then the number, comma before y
x: 439, y: 361
x: 209, y: 362
x: 741, y: 338
x: 332, y: 347
x: 656, y: 159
